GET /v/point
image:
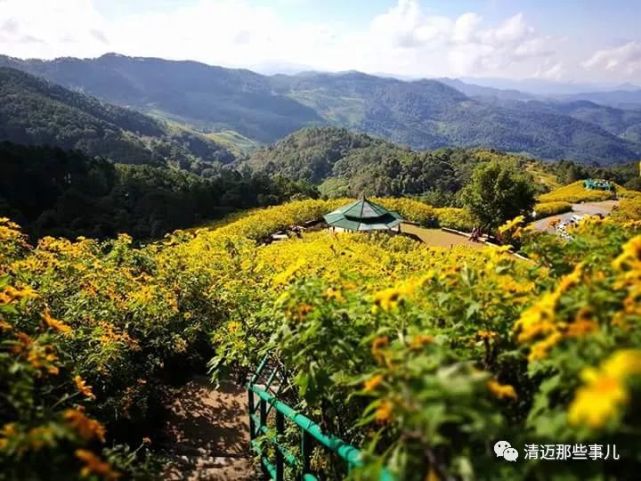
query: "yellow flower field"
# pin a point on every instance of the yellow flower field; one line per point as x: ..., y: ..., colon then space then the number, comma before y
x: 397, y: 347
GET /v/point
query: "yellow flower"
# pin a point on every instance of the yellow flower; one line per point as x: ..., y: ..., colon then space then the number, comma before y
x: 623, y: 363
x: 570, y: 280
x: 540, y: 349
x: 384, y: 411
x: 538, y: 319
x: 335, y: 294
x: 86, y: 427
x: 489, y: 335
x: 377, y: 348
x: 372, y: 383
x: 501, y: 391
x: 421, y: 340
x: 511, y: 224
x: 94, y: 465
x: 598, y: 402
x: 605, y: 390
x: 631, y: 255
x: 83, y: 388
x: 285, y: 276
x: 387, y: 299
x: 55, y: 323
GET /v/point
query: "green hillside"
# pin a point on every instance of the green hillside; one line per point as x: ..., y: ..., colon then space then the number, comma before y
x: 348, y: 163
x: 35, y: 112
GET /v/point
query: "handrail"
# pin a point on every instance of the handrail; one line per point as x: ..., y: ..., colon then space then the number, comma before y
x: 347, y: 452
x: 310, y: 432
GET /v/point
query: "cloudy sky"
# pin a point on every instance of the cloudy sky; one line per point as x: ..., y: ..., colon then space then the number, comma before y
x: 562, y: 40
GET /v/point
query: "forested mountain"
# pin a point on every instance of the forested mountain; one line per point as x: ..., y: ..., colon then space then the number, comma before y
x: 36, y: 112
x: 346, y: 163
x: 310, y: 154
x: 423, y: 114
x: 427, y: 114
x: 343, y: 163
x: 625, y: 99
x: 212, y: 98
x: 480, y: 91
x: 50, y: 191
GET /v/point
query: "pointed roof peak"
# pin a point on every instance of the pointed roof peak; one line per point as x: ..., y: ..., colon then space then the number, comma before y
x: 363, y: 215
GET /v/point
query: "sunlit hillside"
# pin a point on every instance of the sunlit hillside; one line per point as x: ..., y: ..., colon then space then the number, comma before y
x: 390, y: 335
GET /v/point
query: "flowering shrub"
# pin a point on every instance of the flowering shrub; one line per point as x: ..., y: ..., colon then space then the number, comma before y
x: 455, y: 218
x: 627, y: 210
x: 424, y: 356
x: 575, y: 193
x: 546, y: 209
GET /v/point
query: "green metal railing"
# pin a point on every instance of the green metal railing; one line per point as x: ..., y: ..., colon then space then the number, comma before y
x: 261, y: 402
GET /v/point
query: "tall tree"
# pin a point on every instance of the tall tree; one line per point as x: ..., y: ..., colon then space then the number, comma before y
x: 499, y: 191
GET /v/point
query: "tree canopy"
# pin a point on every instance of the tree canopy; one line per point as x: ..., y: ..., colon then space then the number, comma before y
x: 499, y: 191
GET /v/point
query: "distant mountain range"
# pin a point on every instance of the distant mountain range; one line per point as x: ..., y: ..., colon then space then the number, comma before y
x: 625, y: 96
x: 423, y: 114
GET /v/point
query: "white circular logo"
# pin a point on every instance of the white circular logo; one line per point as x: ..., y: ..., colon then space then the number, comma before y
x: 504, y: 450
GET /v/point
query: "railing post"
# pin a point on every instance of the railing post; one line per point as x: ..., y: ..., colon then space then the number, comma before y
x: 280, y: 430
x: 250, y: 404
x: 262, y: 404
x: 305, y: 452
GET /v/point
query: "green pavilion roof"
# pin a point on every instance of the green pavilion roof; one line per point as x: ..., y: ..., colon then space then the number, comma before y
x: 363, y: 215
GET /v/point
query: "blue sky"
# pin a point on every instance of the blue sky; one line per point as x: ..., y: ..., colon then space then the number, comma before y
x: 562, y: 40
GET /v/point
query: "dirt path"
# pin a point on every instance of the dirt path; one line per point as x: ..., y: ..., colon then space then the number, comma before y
x: 587, y: 208
x: 438, y: 237
x: 207, y: 433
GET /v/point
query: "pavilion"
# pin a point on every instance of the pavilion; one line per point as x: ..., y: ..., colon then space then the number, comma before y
x: 363, y: 215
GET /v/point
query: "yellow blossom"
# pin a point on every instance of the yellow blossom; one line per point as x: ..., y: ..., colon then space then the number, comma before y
x: 604, y: 393
x: 387, y: 299
x: 373, y: 382
x: 83, y: 388
x: 86, y: 427
x: 420, y: 340
x: 377, y: 348
x: 55, y: 323
x: 93, y: 465
x: 501, y: 391
x: 384, y: 411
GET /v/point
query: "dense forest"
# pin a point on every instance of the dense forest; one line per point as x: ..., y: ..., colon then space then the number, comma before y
x: 51, y: 191
x: 35, y: 112
x: 344, y: 163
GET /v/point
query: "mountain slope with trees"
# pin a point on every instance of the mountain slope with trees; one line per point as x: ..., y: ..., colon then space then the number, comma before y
x: 36, y: 112
x: 80, y: 195
x: 346, y: 163
x: 424, y: 114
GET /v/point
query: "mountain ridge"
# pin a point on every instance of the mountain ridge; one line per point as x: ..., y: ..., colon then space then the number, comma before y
x: 424, y: 114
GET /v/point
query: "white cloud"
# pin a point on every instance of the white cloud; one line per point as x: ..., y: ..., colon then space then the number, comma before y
x: 550, y: 71
x: 624, y: 59
x: 404, y: 40
x: 49, y: 28
x: 459, y: 46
